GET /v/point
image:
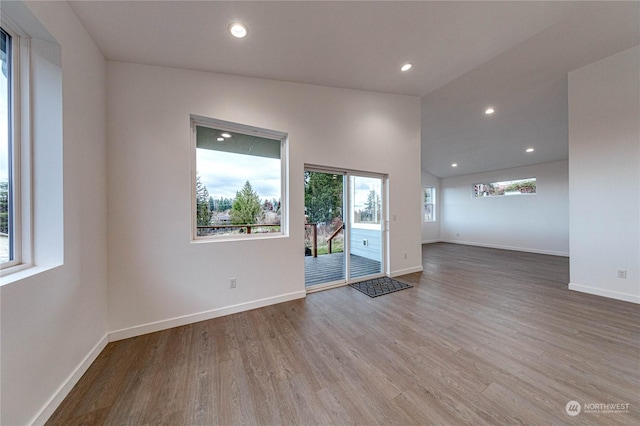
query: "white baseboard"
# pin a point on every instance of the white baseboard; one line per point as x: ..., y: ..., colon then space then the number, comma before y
x: 605, y: 293
x: 152, y: 327
x: 405, y: 271
x: 56, y: 399
x: 501, y: 247
x: 431, y: 241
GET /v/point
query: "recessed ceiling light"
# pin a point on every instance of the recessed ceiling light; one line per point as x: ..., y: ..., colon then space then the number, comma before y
x: 530, y: 150
x: 489, y: 111
x: 220, y: 139
x: 238, y: 30
x: 225, y: 135
x: 454, y: 165
x: 406, y: 67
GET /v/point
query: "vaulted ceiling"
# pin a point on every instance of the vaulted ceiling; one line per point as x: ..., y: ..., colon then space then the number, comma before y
x: 513, y: 56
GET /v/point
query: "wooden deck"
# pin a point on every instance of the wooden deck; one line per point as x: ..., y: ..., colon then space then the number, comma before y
x: 330, y: 267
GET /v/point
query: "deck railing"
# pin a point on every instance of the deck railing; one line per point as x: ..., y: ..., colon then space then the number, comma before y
x: 247, y: 227
x: 335, y: 234
x: 314, y: 238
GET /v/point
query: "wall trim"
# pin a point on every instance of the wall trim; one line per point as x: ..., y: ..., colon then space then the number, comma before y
x: 431, y: 241
x: 152, y: 327
x: 405, y: 271
x: 326, y: 287
x: 59, y: 395
x: 605, y: 293
x: 501, y: 247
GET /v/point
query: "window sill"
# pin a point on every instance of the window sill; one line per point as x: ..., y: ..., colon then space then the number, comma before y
x: 22, y: 272
x: 253, y: 237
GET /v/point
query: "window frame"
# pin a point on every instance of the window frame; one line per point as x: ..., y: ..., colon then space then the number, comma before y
x: 39, y: 158
x: 432, y: 204
x: 17, y: 51
x: 282, y: 137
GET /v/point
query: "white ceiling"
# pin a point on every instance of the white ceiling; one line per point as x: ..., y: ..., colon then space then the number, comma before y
x: 527, y: 85
x: 513, y: 55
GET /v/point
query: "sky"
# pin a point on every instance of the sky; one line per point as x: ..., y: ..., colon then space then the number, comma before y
x: 225, y: 173
x: 362, y: 186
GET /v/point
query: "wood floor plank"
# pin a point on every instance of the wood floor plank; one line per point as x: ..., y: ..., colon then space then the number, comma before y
x: 485, y: 337
x: 201, y: 398
x: 342, y: 408
x: 236, y: 405
x: 302, y: 402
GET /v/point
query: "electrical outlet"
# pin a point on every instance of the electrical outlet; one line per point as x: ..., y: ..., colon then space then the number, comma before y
x: 405, y: 256
x: 232, y: 283
x: 622, y: 273
x: 365, y: 243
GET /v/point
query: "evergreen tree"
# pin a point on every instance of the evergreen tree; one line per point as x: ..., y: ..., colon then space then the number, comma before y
x: 246, y: 209
x: 373, y: 207
x: 322, y: 196
x: 4, y: 207
x: 203, y: 212
x: 223, y: 204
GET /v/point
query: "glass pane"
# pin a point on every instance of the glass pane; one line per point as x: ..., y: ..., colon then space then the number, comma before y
x: 429, y: 204
x: 6, y: 243
x: 510, y: 187
x: 366, y: 226
x: 238, y: 183
x: 324, y: 230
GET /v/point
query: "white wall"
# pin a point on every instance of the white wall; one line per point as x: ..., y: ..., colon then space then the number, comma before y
x: 535, y: 223
x: 604, y: 164
x: 54, y: 322
x: 431, y: 230
x: 157, y: 277
x: 373, y: 249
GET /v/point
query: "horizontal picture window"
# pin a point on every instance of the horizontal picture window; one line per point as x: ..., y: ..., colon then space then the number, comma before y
x: 505, y: 188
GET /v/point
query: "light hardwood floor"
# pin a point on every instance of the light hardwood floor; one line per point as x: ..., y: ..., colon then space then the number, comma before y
x: 484, y: 337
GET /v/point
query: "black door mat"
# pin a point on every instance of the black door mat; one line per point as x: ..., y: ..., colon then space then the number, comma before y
x: 379, y: 286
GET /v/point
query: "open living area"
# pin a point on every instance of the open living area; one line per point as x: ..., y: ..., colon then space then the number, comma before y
x: 191, y: 192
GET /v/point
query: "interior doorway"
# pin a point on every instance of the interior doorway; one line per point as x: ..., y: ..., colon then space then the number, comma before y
x: 344, y: 227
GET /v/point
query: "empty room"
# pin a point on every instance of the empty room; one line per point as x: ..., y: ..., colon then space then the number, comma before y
x: 299, y: 213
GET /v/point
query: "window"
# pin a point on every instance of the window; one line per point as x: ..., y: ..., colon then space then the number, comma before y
x: 429, y: 204
x: 9, y: 145
x: 239, y: 180
x: 509, y: 187
x: 31, y: 145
